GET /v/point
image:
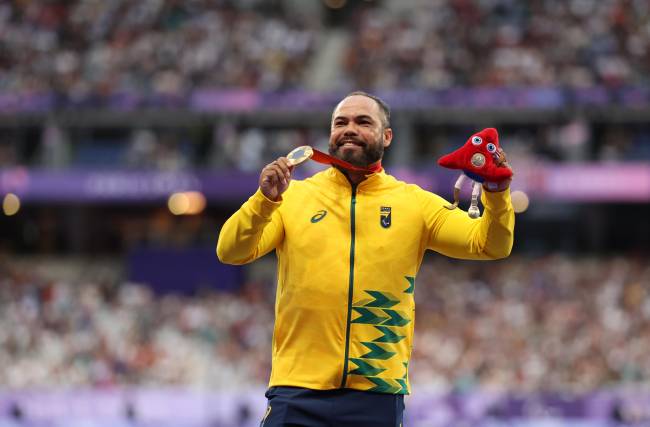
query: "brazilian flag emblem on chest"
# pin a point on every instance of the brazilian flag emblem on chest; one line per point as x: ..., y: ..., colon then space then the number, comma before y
x: 384, y: 216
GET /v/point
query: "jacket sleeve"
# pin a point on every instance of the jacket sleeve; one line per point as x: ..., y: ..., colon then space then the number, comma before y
x: 453, y: 233
x: 251, y: 232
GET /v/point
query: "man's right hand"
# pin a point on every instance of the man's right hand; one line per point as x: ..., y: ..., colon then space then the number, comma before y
x: 275, y: 177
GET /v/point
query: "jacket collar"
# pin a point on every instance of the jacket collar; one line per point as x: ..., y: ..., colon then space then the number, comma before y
x: 372, y: 180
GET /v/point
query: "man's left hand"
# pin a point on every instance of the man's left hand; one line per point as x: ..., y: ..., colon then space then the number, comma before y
x: 502, y: 162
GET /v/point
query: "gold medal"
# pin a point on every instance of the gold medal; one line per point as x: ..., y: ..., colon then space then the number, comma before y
x: 300, y: 155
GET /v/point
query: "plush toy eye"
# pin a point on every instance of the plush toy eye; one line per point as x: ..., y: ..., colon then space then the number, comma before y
x: 477, y: 140
x: 491, y: 147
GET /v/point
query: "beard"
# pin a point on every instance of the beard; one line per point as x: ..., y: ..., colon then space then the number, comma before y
x: 371, y: 153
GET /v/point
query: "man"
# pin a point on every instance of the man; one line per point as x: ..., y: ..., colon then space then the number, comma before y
x: 349, y: 244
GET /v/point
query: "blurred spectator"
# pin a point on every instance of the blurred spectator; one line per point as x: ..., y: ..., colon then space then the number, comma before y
x: 8, y: 150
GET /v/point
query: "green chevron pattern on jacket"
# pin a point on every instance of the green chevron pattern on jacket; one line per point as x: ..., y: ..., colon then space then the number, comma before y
x: 381, y: 300
x: 377, y: 352
x: 411, y: 287
x: 378, y: 311
x: 388, y: 335
x: 403, y: 388
x: 364, y: 368
x: 385, y: 385
x: 369, y: 316
x: 397, y: 318
x: 406, y: 370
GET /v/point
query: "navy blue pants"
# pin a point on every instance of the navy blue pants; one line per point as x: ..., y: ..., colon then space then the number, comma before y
x: 301, y: 407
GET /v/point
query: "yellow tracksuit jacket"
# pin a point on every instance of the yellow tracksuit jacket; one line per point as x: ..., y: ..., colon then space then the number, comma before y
x: 347, y: 261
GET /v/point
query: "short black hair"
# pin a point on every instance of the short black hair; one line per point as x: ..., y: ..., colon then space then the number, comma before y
x: 385, y: 109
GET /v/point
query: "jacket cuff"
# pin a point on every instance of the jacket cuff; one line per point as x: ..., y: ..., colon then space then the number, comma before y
x: 497, y: 201
x: 262, y: 206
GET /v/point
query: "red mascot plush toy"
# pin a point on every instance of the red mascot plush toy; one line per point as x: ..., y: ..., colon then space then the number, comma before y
x: 480, y: 159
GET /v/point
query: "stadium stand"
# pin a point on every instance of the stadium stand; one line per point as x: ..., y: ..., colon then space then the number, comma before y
x: 553, y: 323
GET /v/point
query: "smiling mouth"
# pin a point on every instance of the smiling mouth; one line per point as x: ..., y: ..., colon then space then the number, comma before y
x: 350, y: 143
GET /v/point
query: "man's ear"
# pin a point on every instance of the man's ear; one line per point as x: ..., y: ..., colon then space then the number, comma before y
x: 388, y: 137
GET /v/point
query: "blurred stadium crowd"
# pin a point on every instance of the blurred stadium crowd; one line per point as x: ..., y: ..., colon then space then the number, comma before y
x: 161, y: 46
x: 169, y: 46
x: 573, y: 43
x: 100, y: 333
x: 552, y: 323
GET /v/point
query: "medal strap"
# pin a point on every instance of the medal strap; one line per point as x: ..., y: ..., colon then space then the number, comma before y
x: 326, y: 159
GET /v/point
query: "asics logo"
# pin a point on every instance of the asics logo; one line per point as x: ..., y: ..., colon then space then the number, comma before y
x: 318, y: 216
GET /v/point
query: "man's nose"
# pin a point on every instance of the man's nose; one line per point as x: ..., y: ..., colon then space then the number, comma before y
x: 350, y: 129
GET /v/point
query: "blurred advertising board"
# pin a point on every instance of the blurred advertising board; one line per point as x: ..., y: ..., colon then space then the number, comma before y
x: 242, y: 100
x: 588, y: 182
x: 245, y: 408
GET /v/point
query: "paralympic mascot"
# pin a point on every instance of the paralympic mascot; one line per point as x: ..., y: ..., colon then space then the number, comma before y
x: 479, y: 159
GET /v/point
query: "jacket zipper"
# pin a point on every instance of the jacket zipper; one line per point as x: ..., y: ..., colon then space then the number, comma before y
x: 353, y: 202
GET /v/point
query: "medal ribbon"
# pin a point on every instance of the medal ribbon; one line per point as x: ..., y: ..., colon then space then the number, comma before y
x: 326, y: 159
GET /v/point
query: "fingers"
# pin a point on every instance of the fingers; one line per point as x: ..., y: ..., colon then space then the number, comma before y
x: 285, y: 167
x: 501, y: 158
x: 278, y: 171
x: 272, y: 174
x: 279, y: 175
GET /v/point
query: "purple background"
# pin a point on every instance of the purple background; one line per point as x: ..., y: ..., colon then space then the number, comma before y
x: 181, y: 407
x: 625, y: 182
x: 217, y: 100
x: 184, y: 270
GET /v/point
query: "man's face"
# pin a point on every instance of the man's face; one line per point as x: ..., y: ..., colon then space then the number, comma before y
x: 357, y: 134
